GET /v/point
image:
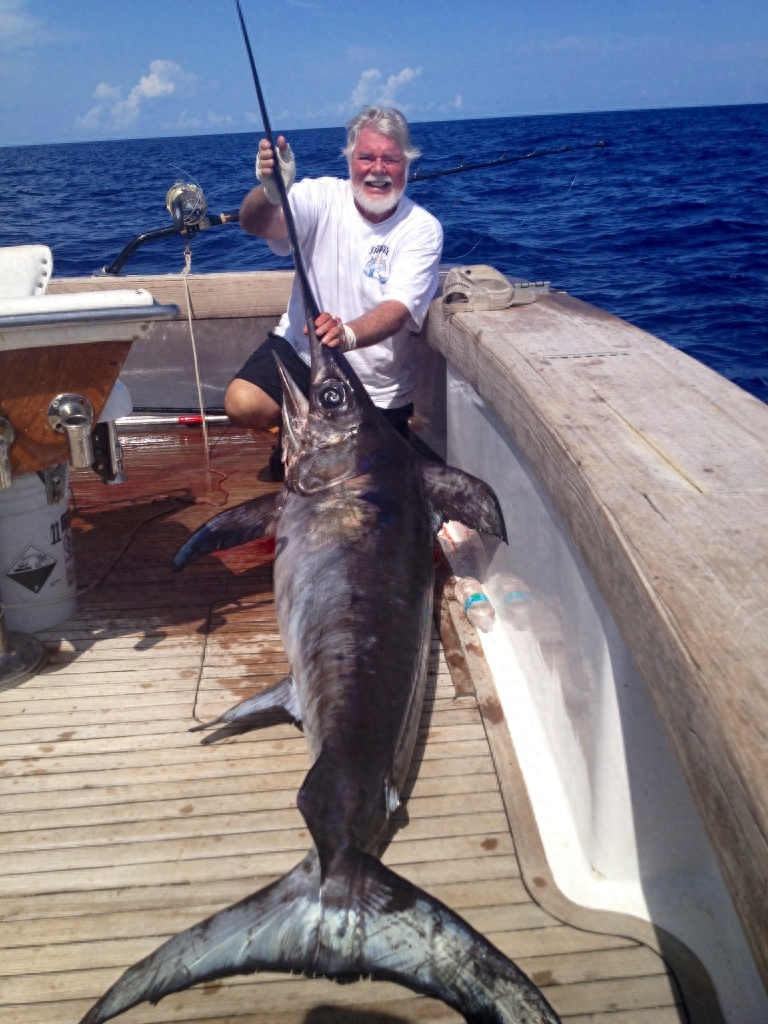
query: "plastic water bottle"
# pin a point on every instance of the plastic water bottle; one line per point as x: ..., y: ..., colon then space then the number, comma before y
x: 517, y: 601
x: 477, y: 605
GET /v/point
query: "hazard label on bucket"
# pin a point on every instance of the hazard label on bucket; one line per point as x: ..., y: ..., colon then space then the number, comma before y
x: 32, y: 568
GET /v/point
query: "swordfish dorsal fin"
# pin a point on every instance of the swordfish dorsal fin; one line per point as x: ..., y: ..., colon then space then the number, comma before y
x: 389, y: 930
x: 454, y: 494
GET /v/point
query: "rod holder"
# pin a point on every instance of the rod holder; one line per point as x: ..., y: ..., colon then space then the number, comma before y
x: 7, y: 437
x: 72, y: 415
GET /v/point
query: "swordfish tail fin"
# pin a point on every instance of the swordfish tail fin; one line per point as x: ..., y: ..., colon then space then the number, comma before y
x: 359, y: 920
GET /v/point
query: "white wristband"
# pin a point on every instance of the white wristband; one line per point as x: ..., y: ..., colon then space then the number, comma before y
x: 287, y: 164
x: 350, y: 339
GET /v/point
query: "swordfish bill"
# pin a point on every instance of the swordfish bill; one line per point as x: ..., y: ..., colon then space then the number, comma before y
x: 354, y: 524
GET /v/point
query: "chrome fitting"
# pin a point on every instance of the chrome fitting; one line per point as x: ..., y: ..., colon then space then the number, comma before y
x: 72, y: 415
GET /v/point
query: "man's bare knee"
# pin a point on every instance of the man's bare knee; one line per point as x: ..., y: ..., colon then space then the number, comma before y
x: 248, y: 406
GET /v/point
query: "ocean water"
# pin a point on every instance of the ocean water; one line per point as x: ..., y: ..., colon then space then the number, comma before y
x: 665, y: 226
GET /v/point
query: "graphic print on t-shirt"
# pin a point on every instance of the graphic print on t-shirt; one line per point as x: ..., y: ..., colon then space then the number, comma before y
x: 377, y: 265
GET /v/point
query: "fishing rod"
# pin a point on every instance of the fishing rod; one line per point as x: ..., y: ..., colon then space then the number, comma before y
x: 311, y: 307
x: 419, y: 175
x: 185, y: 223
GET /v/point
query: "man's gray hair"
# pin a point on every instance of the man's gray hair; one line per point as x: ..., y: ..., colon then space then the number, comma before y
x: 389, y: 122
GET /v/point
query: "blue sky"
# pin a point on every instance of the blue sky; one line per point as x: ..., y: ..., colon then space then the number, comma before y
x: 76, y: 70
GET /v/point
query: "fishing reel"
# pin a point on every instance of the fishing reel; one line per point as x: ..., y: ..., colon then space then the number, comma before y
x: 186, y: 204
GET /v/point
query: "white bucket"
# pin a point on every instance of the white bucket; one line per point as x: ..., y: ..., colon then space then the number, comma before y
x: 37, y: 562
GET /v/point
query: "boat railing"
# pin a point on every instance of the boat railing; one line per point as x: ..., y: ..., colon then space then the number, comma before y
x: 634, y: 481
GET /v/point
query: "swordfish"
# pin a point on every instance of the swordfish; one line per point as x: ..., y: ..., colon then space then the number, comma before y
x: 354, y: 525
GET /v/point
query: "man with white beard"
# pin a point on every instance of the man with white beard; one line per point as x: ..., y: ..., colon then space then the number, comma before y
x: 372, y: 258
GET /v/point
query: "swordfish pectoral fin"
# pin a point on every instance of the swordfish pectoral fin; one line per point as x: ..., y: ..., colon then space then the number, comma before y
x: 454, y: 494
x: 274, y: 929
x: 249, y: 521
x: 258, y: 710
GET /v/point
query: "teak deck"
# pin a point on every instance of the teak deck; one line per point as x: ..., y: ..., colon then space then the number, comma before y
x: 120, y: 828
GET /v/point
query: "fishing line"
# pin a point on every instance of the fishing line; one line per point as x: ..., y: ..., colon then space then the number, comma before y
x: 548, y: 206
x: 540, y: 207
x: 185, y: 277
x: 185, y: 175
x: 545, y: 206
x: 209, y: 472
x: 129, y: 540
x: 463, y: 256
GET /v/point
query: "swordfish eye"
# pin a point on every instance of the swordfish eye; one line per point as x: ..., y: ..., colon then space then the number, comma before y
x: 333, y: 396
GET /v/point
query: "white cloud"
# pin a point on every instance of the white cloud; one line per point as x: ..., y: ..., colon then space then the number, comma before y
x: 161, y: 81
x: 16, y: 25
x: 456, y: 104
x: 106, y: 93
x: 219, y: 120
x: 22, y: 33
x: 201, y: 122
x: 372, y: 91
x: 113, y: 113
x: 365, y: 90
x: 394, y: 82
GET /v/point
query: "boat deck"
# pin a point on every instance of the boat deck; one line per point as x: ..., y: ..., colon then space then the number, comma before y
x: 120, y: 828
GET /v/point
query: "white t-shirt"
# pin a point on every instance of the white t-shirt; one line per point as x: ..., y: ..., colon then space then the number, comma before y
x: 352, y: 266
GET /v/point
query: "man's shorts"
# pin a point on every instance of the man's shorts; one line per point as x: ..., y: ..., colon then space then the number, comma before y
x: 260, y: 369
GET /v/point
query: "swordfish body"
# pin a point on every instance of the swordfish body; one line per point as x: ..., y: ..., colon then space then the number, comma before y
x: 354, y: 527
x: 353, y: 584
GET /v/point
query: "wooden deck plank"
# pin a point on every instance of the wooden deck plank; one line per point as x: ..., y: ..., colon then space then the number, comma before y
x: 366, y: 1011
x: 585, y: 977
x: 480, y: 792
x: 120, y: 827
x: 548, y: 938
x: 468, y: 771
x: 194, y: 863
x: 447, y: 730
x: 441, y: 812
x: 193, y: 904
x: 261, y: 998
x: 544, y: 952
x: 50, y: 772
x: 157, y: 770
x: 466, y: 818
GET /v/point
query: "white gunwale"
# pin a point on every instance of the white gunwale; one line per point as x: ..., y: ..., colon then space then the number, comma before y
x: 659, y: 468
